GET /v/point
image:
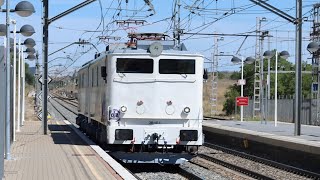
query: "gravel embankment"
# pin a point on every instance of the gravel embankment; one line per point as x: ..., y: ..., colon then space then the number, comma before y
x: 202, y: 172
x: 157, y: 172
x: 251, y: 165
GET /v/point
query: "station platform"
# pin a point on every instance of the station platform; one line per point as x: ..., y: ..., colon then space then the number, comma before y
x: 267, y: 133
x: 62, y: 154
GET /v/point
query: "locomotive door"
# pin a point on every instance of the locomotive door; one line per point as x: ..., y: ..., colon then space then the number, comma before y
x: 103, y: 90
x: 87, y: 92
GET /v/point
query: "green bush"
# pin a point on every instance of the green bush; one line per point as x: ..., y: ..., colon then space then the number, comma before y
x: 229, y: 104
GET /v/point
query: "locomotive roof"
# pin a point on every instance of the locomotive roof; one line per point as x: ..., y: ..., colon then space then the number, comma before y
x: 123, y: 50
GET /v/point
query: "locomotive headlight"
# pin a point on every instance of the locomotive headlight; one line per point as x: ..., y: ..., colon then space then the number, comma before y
x: 123, y: 109
x: 186, y: 110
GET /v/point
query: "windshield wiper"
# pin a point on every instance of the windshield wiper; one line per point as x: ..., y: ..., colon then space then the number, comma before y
x: 184, y: 75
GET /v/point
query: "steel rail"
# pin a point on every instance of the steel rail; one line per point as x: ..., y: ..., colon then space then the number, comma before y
x: 235, y: 167
x: 281, y: 166
x: 68, y: 101
x: 69, y: 109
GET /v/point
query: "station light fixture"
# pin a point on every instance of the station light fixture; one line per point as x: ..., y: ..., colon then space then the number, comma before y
x: 313, y: 47
x: 31, y: 57
x: 249, y: 60
x: 268, y: 54
x: 284, y: 54
x: 29, y: 42
x: 30, y: 51
x: 235, y: 59
x: 27, y: 30
x: 24, y: 9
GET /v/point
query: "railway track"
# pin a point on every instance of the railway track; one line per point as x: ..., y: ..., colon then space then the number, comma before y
x: 71, y: 101
x: 233, y: 167
x: 236, y: 168
x: 267, y: 162
x: 66, y: 107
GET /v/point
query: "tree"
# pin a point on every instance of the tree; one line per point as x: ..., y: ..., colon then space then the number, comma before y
x: 221, y: 75
x: 229, y: 104
x: 234, y: 91
x: 29, y: 76
x: 286, y: 81
x: 235, y: 75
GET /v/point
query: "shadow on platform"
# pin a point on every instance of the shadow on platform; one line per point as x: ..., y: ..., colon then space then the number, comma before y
x: 63, y: 134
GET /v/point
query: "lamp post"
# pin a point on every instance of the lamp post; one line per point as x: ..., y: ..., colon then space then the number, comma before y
x: 19, y: 86
x: 269, y: 54
x: 313, y: 48
x: 29, y: 42
x: 23, y: 9
x: 25, y: 30
x: 30, y: 57
x: 248, y: 60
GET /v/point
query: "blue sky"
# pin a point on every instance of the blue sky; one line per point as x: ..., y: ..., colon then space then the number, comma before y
x: 241, y: 19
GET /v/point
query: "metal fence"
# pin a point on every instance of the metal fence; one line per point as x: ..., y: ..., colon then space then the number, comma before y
x: 286, y: 110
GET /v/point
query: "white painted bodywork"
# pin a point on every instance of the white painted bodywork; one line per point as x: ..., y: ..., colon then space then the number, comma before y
x: 154, y: 90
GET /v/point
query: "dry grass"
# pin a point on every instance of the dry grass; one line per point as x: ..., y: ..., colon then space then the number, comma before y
x: 30, y: 114
x: 223, y: 85
x: 29, y: 110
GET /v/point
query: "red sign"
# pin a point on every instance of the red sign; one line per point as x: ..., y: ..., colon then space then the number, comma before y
x: 242, y: 101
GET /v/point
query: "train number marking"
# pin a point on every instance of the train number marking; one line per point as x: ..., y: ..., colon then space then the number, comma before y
x: 114, y: 114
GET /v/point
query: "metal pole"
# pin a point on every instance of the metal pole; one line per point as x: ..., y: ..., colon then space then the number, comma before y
x: 298, y: 88
x: 241, y: 107
x: 23, y: 75
x: 269, y: 83
x: 8, y: 80
x: 2, y: 108
x: 178, y: 29
x: 45, y: 65
x: 263, y: 112
x: 14, y: 77
x: 276, y: 92
x: 19, y: 86
x: 175, y: 26
x: 268, y: 89
x: 36, y: 84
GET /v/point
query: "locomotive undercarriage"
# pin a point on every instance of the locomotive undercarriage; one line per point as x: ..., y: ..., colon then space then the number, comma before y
x: 134, y: 152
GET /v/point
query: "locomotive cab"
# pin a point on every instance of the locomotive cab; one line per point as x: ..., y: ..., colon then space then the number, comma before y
x: 150, y: 106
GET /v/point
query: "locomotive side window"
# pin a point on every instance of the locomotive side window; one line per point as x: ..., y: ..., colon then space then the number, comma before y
x: 177, y: 66
x: 130, y: 65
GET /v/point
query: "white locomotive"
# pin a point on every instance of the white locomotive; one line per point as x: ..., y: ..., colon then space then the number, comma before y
x: 142, y: 100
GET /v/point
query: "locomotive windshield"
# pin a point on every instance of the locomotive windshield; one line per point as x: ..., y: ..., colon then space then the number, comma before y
x: 134, y: 65
x: 176, y: 66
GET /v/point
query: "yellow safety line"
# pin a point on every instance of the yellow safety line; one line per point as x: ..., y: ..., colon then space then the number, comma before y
x: 87, y: 161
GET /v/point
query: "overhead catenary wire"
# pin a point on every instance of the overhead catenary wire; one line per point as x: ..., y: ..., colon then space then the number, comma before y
x: 109, y: 27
